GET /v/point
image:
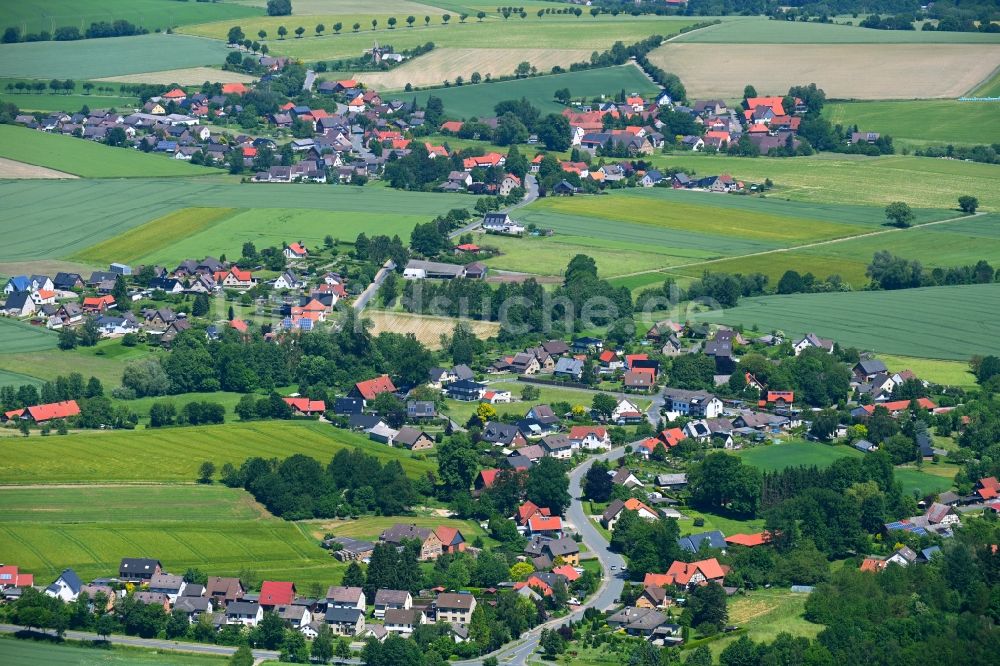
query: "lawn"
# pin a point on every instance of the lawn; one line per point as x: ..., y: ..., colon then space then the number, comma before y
x: 948, y: 373
x: 791, y: 454
x: 141, y: 406
x: 920, y: 482
x: 478, y: 100
x: 724, y: 524
x: 146, y: 503
x: 766, y: 613
x: 554, y: 32
x: 30, y: 653
x: 96, y: 58
x: 62, y: 218
x: 17, y: 337
x: 460, y: 410
x: 87, y: 158
x: 763, y: 31
x: 825, y: 178
x: 906, y: 322
x: 921, y: 122
x: 108, y: 457
x: 37, y: 15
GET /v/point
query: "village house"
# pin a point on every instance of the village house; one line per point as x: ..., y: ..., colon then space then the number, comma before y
x: 615, y: 509
x: 699, y: 404
x: 590, y: 437
x: 451, y: 607
x: 689, y: 574
x: 404, y: 622
x: 390, y: 600
x: 66, y: 587
x: 430, y: 545
x: 345, y: 621
x: 138, y: 569
x: 246, y: 613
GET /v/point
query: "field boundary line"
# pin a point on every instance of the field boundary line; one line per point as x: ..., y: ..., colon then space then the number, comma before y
x: 804, y: 246
x: 990, y: 77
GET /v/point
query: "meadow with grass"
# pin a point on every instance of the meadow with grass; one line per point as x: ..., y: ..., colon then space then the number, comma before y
x: 104, y: 361
x: 17, y: 336
x: 921, y: 122
x: 60, y: 221
x: 29, y: 653
x: 775, y: 457
x: 96, y: 58
x: 87, y: 158
x: 907, y: 322
x: 473, y: 101
x: 104, y: 457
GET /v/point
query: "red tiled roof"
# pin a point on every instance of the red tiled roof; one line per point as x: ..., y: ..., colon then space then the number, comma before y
x: 489, y: 477
x: 176, y: 93
x: 544, y: 523
x: 635, y: 357
x: 53, y: 410
x: 373, y: 387
x: 274, y: 593
x: 567, y: 572
x: 467, y: 247
x: 873, y: 564
x: 347, y: 83
x: 305, y: 405
x: 749, y: 540
x: 249, y: 151
x: 298, y: 249
x: 234, y: 89
x: 451, y: 126
x: 632, y: 504
x: 580, y: 432
x: 606, y: 356
x: 239, y: 325
x: 776, y: 104
x: 900, y: 405
x: 683, y: 572
x: 784, y: 396
x: 529, y: 509
x: 11, y: 577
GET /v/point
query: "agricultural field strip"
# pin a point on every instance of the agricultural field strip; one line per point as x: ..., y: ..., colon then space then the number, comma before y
x: 764, y: 31
x: 833, y: 241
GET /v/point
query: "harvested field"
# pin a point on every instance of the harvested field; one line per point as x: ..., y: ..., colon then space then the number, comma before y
x: 13, y: 169
x: 188, y: 76
x: 903, y: 71
x: 426, y: 329
x: 760, y: 30
x: 445, y: 64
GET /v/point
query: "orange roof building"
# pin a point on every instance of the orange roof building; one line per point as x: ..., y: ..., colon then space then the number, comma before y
x: 702, y: 572
x: 275, y: 593
x: 234, y: 89
x: 53, y: 410
x: 452, y: 126
x: 305, y: 405
x: 567, y: 572
x: 371, y: 388
x: 175, y: 94
x: 776, y: 104
x: 749, y: 540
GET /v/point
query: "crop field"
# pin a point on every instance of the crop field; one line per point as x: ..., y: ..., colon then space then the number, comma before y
x: 61, y: 218
x: 792, y: 454
x: 17, y: 379
x: 764, y: 31
x: 432, y: 69
x: 152, y: 503
x: 922, y: 122
x: 186, y: 76
x: 20, y: 170
x: 478, y: 100
x: 38, y: 15
x: 105, y: 457
x: 989, y: 88
x: 937, y: 371
x: 87, y: 158
x: 907, y: 322
x: 556, y: 32
x: 892, y: 71
x: 68, y: 103
x: 17, y: 337
x: 824, y: 178
x: 94, y: 58
x: 29, y: 653
x: 427, y: 329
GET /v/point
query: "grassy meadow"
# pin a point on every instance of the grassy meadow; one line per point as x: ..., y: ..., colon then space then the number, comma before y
x: 765, y: 614
x: 907, y: 322
x: 97, y: 58
x: 88, y: 158
x: 828, y: 177
x: 759, y: 30
x: 29, y: 653
x: 61, y: 221
x: 37, y: 15
x: 921, y: 122
x: 107, y: 457
x: 989, y: 88
x: 478, y: 100
x: 17, y: 337
x: 104, y: 361
x: 791, y: 454
x: 937, y: 371
x: 17, y: 379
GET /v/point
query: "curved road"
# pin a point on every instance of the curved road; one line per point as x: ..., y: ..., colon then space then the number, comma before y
x: 518, y: 653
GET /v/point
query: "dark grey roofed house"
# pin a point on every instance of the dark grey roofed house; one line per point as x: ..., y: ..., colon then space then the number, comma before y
x: 569, y: 367
x: 192, y: 605
x: 345, y: 616
x: 345, y: 406
x: 400, y: 532
x: 363, y: 421
x: 420, y: 409
x: 98, y: 277
x: 562, y: 547
x: 518, y: 462
x: 138, y: 568
x: 693, y: 542
x: 194, y: 590
x: 462, y: 372
x: 637, y: 621
x: 465, y: 389
x: 501, y: 433
x: 555, y: 347
x: 351, y: 549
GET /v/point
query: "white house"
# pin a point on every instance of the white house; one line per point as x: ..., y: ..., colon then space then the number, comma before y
x: 813, y: 340
x: 66, y: 588
x: 590, y: 437
x: 247, y: 613
x: 625, y: 410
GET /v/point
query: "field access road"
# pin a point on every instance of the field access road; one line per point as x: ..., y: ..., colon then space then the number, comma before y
x: 157, y: 644
x: 362, y: 300
x: 530, y: 194
x: 612, y: 584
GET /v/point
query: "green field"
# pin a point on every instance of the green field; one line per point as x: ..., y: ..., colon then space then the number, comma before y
x: 907, y: 322
x: 99, y: 58
x: 17, y: 337
x: 765, y: 614
x: 104, y: 361
x: 923, y: 483
x: 714, y: 521
x: 989, y: 88
x: 109, y: 457
x: 763, y: 31
x: 826, y: 177
x: 791, y: 454
x: 478, y: 100
x: 88, y: 158
x: 68, y: 103
x: 948, y: 373
x: 921, y: 122
x: 37, y: 15
x: 17, y: 379
x: 30, y: 653
x: 61, y: 218
x: 227, y: 399
x: 548, y: 32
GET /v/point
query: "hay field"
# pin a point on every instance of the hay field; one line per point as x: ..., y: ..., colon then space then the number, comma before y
x: 186, y: 76
x: 427, y: 329
x: 890, y: 71
x: 445, y: 64
x: 13, y: 169
x: 760, y: 30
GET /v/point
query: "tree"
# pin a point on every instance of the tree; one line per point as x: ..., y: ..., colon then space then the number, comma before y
x: 67, y: 338
x: 262, y: 34
x: 162, y: 414
x: 299, y: 31
x: 409, y: 21
x: 392, y: 22
x: 722, y: 481
x: 282, y: 31
x: 707, y: 604
x: 271, y: 631
x: 319, y: 29
x: 243, y: 655
x: 322, y: 647
x: 521, y: 571
x: 791, y: 283
x: 548, y: 485
x: 337, y: 27
x: 563, y: 95
x: 354, y: 576
x: 968, y: 204
x: 899, y: 214
x: 900, y: 448
x: 480, y: 16
x: 458, y: 463
x: 554, y: 131
x: 824, y: 424
x: 749, y: 91
x: 206, y: 472
x: 279, y: 7
x: 445, y: 18
x: 236, y: 35
x: 597, y: 484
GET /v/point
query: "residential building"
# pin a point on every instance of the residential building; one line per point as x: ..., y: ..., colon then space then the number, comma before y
x: 452, y: 607
x: 387, y: 600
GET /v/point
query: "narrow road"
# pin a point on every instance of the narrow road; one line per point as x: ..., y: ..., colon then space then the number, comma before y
x: 652, y: 413
x: 362, y: 300
x: 795, y: 248
x: 518, y: 652
x: 156, y: 644
x: 530, y: 194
